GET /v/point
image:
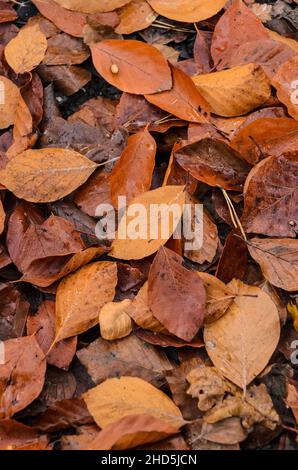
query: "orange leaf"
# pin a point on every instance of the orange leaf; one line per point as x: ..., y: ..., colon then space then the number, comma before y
x: 132, y: 66
x: 187, y: 10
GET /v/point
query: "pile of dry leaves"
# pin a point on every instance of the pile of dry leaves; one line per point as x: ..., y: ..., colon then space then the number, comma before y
x: 145, y: 343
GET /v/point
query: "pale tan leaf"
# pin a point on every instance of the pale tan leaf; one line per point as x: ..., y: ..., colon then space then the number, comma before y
x: 241, y: 343
x: 114, y: 322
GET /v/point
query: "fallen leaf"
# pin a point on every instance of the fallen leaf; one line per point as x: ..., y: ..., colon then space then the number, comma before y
x: 227, y: 431
x: 265, y: 137
x: 18, y: 436
x: 271, y: 197
x: 125, y: 396
x: 134, y: 16
x: 42, y: 325
x: 114, y: 322
x: 233, y: 260
x: 132, y: 431
x: 286, y: 86
x: 68, y: 79
x: 63, y: 49
x: 76, y: 311
x: 93, y: 6
x: 188, y: 11
x: 46, y: 175
x: 292, y: 400
x: 237, y: 26
x: 24, y: 52
x: 241, y: 343
x: 219, y: 297
x: 94, y: 192
x: 213, y: 162
x: 235, y: 91
x: 129, y: 356
x: 176, y: 295
x: 132, y: 174
x: 7, y: 13
x: 21, y: 374
x: 220, y: 399
x: 142, y: 314
x: 278, y: 260
x: 166, y: 198
x: 182, y: 100
x: 166, y: 340
x: 63, y: 414
x: 9, y: 105
x: 132, y: 66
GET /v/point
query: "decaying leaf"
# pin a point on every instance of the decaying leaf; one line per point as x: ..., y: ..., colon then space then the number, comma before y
x: 220, y: 399
x: 278, y: 259
x: 132, y: 431
x: 271, y: 197
x: 169, y: 201
x: 21, y: 374
x: 24, y: 52
x: 76, y: 309
x: 185, y: 10
x: 114, y: 322
x: 176, y: 295
x: 213, y: 162
x: 134, y: 16
x: 142, y: 314
x: 119, y: 397
x: 18, y: 436
x: 46, y: 175
x: 42, y: 325
x: 132, y: 66
x: 241, y: 342
x: 219, y: 297
x: 129, y: 356
x: 235, y: 91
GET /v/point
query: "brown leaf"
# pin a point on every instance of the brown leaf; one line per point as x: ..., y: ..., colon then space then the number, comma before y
x: 219, y: 297
x: 278, y: 260
x: 135, y: 16
x: 271, y: 197
x: 128, y: 356
x: 241, y: 342
x: 26, y: 50
x: 14, y: 310
x: 228, y: 431
x: 132, y: 66
x: 221, y: 399
x: 238, y: 25
x: 213, y: 162
x: 94, y: 192
x: 233, y: 260
x: 93, y: 6
x: 132, y: 174
x: 71, y: 22
x: 266, y: 136
x: 131, y: 431
x: 176, y: 295
x: 138, y: 248
x: 7, y: 13
x: 68, y: 79
x: 9, y: 105
x: 182, y: 100
x: 42, y: 325
x: 76, y: 311
x: 46, y: 175
x: 185, y: 10
x: 167, y: 340
x: 286, y: 86
x: 63, y: 49
x: 125, y: 396
x: 236, y: 91
x: 62, y: 415
x: 17, y: 436
x: 21, y: 375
